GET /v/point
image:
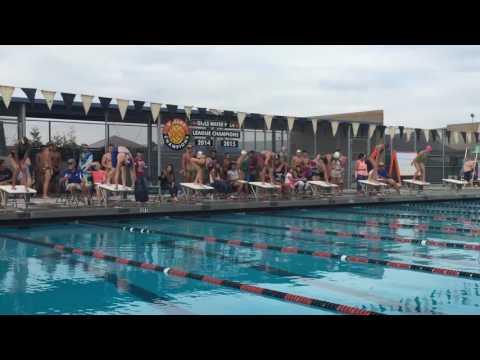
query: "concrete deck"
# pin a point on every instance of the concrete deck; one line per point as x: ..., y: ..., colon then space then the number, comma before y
x: 44, y: 211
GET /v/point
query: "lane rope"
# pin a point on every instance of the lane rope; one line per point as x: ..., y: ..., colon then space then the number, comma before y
x: 178, y: 272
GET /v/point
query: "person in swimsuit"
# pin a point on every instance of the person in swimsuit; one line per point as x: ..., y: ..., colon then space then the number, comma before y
x: 361, y: 171
x: 419, y: 163
x: 297, y: 159
x: 107, y: 164
x: 468, y: 170
x: 44, y: 170
x: 55, y: 162
x: 382, y: 175
x: 253, y: 167
x: 124, y: 160
x: 375, y: 157
x: 242, y: 165
x: 199, y: 162
x: 188, y: 169
x: 267, y: 168
x: 337, y: 171
x: 21, y: 163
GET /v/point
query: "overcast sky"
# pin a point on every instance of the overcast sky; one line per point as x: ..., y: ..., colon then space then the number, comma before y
x: 416, y: 86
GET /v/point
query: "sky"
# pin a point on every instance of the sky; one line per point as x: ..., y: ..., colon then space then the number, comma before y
x: 416, y: 86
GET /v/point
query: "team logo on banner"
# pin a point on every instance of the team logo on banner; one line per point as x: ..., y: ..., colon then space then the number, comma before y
x: 176, y: 134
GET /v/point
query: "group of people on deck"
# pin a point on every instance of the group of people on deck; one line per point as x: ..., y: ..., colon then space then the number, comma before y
x: 80, y: 175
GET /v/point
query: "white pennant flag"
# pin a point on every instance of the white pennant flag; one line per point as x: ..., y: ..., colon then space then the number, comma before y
x: 188, y: 111
x: 334, y: 127
x: 427, y: 135
x: 371, y: 130
x: 155, y: 109
x: 469, y: 137
x: 290, y: 121
x: 241, y: 118
x: 48, y: 95
x: 440, y: 134
x: 391, y: 131
x: 315, y: 125
x: 268, y: 120
x: 355, y: 127
x: 6, y: 92
x: 455, y: 137
x: 87, y: 102
x: 122, y: 107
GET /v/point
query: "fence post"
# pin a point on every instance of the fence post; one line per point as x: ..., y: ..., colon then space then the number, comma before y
x: 349, y: 158
x: 149, y: 149
x: 21, y: 131
x: 443, y: 152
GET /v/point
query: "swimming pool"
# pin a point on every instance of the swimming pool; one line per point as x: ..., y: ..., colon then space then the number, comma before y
x: 416, y: 258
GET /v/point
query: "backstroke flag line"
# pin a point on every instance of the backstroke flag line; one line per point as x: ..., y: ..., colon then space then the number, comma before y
x: 371, y: 130
x: 290, y: 121
x: 155, y: 109
x: 188, y: 111
x: 241, y: 118
x: 334, y: 127
x: 268, y: 120
x: 315, y: 125
x: 355, y: 127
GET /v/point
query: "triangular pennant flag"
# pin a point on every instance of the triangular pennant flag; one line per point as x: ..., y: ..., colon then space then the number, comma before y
x: 6, y: 92
x: 105, y: 102
x: 30, y: 92
x: 188, y: 111
x: 427, y: 135
x: 87, y: 102
x: 138, y: 105
x: 408, y: 134
x: 122, y: 107
x: 290, y: 122
x: 314, y: 125
x: 434, y: 135
x: 469, y: 138
x: 172, y: 109
x: 401, y: 130
x: 455, y: 137
x: 391, y: 131
x: 268, y: 120
x: 355, y: 127
x: 464, y: 136
x: 241, y: 118
x: 477, y: 135
x: 68, y: 99
x: 155, y: 109
x: 334, y: 127
x: 371, y: 130
x: 48, y: 95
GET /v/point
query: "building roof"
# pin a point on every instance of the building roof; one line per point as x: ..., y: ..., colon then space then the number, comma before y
x: 372, y: 117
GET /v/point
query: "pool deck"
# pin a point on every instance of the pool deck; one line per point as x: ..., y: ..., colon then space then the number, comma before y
x: 44, y: 211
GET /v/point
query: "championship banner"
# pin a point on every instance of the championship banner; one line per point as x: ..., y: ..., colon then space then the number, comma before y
x: 334, y: 127
x: 122, y: 107
x: 30, y: 92
x: 371, y: 130
x: 241, y: 118
x: 155, y: 110
x: 188, y: 111
x: 6, y: 92
x: 315, y: 125
x: 268, y: 120
x: 355, y: 127
x: 87, y: 102
x: 48, y: 95
x: 290, y: 122
x: 176, y: 134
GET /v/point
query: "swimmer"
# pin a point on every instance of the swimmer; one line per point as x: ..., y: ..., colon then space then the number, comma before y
x: 199, y: 162
x: 419, y: 163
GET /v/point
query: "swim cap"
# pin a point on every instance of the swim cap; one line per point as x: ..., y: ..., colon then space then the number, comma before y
x: 244, y: 152
x: 428, y: 148
x: 299, y: 151
x: 199, y: 153
x: 336, y: 155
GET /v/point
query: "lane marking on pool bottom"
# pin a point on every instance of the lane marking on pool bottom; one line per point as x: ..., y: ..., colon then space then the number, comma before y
x: 299, y: 251
x: 178, y: 272
x: 345, y: 234
x: 374, y: 223
x: 440, y: 218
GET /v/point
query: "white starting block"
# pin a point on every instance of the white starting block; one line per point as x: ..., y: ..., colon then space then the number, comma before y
x: 106, y: 189
x: 191, y: 188
x: 6, y: 192
x: 257, y: 185
x: 319, y: 187
x: 455, y: 184
x: 369, y: 186
x: 416, y: 184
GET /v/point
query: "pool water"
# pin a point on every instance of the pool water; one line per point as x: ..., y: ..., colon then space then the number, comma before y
x: 38, y: 279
